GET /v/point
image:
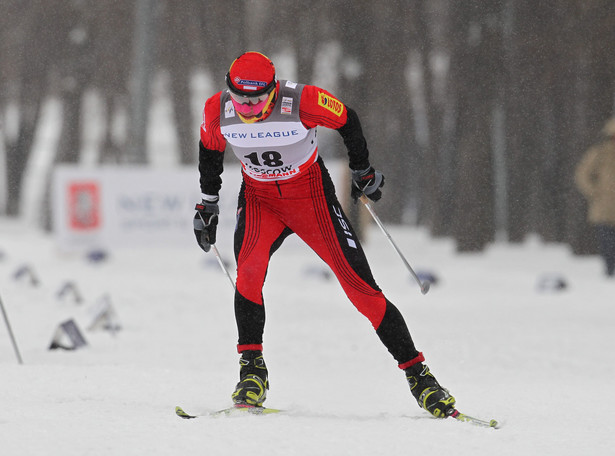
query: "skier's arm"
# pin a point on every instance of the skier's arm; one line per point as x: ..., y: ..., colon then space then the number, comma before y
x: 211, y: 158
x: 211, y: 150
x: 355, y: 142
x: 211, y: 165
x: 320, y: 108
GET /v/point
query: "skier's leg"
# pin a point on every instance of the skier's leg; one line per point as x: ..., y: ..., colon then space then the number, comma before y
x: 257, y: 235
x: 331, y: 236
x: 322, y: 224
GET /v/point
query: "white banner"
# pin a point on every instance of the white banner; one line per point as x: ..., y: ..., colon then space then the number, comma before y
x: 123, y: 206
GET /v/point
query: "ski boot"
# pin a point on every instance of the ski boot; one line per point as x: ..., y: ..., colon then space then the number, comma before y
x: 253, y: 383
x: 428, y: 392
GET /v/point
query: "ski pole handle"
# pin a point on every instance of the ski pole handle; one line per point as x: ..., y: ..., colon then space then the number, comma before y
x: 424, y: 284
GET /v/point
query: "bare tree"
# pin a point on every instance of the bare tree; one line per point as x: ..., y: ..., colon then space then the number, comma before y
x: 111, y: 24
x: 475, y: 69
x: 74, y: 67
x: 179, y: 55
x: 374, y: 84
x: 432, y: 50
x: 29, y: 50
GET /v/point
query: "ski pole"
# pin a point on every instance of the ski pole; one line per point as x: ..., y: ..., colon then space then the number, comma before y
x: 218, y: 257
x: 222, y: 265
x: 425, y: 284
x: 8, y: 327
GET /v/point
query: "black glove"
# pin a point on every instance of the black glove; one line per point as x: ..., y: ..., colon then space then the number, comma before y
x: 367, y: 181
x: 205, y: 223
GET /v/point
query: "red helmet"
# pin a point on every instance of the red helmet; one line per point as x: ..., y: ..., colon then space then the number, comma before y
x: 251, y: 74
x: 251, y: 81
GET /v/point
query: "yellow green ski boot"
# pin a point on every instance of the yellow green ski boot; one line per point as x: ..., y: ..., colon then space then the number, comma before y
x: 253, y: 383
x: 428, y: 392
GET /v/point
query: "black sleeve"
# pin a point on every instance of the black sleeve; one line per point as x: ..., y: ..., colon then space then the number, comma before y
x: 355, y: 142
x: 211, y: 165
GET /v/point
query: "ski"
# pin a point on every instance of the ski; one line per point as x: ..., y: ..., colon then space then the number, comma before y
x: 236, y: 409
x: 254, y: 410
x: 476, y: 421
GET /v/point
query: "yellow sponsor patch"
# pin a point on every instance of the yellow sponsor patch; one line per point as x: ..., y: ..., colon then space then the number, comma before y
x: 330, y: 103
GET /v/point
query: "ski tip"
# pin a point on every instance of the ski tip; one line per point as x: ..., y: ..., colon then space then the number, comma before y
x: 476, y: 421
x: 180, y: 412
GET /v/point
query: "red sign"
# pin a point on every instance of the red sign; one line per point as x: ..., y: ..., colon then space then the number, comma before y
x: 84, y: 205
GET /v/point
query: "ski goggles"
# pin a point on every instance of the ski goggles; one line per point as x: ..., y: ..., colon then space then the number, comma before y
x: 248, y: 105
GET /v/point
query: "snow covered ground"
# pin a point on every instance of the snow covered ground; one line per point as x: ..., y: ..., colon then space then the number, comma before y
x: 540, y: 362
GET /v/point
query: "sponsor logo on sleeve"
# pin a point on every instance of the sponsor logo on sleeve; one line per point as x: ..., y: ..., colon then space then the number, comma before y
x: 330, y: 103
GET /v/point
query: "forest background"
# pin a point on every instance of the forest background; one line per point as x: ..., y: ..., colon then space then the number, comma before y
x: 476, y: 111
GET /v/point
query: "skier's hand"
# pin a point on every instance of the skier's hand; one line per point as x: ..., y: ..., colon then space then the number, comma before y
x: 367, y: 181
x: 205, y: 223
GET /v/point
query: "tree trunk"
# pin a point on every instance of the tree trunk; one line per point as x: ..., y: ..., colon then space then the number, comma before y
x: 476, y: 68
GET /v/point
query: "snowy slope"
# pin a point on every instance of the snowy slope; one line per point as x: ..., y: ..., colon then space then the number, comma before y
x: 540, y: 362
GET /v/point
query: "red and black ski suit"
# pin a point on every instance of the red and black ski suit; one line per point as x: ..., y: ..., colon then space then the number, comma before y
x: 287, y: 189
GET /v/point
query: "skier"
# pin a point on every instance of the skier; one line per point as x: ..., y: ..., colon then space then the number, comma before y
x: 286, y: 189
